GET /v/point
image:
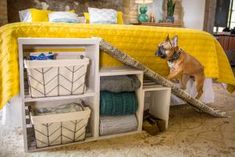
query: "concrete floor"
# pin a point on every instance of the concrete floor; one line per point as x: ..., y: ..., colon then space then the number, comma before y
x: 190, y: 134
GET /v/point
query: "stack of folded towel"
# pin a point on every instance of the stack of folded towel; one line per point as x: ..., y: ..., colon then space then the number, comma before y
x: 118, y: 104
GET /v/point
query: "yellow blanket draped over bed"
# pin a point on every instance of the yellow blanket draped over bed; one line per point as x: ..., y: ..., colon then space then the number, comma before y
x: 140, y: 42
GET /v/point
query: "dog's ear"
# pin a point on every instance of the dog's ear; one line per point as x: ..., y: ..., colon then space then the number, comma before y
x: 175, y: 41
x: 167, y: 38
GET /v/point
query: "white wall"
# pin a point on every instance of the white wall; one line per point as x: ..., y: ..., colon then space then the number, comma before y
x: 193, y: 15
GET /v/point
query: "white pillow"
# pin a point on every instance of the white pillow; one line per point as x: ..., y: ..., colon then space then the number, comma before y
x: 63, y: 16
x: 25, y: 15
x: 105, y: 16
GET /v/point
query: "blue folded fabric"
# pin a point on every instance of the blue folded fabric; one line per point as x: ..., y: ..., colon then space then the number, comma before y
x: 115, y: 104
x: 42, y: 56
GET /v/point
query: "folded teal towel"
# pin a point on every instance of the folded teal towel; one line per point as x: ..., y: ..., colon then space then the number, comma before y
x: 115, y: 104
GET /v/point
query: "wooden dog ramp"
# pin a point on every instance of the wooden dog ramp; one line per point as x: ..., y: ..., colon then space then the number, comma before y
x: 127, y: 60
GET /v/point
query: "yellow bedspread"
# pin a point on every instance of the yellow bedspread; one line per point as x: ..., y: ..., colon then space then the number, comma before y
x: 138, y: 41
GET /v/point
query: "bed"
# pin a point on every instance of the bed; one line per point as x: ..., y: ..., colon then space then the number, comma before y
x: 140, y: 42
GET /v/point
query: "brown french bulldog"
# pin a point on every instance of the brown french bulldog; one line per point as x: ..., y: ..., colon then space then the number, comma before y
x: 182, y: 65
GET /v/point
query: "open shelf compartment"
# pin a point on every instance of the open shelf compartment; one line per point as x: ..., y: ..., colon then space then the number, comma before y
x: 127, y: 71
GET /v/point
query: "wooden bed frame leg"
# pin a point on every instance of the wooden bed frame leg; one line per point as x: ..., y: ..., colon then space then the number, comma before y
x: 127, y: 60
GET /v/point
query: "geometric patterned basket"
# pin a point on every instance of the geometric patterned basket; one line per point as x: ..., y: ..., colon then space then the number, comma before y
x: 61, y: 128
x: 56, y: 77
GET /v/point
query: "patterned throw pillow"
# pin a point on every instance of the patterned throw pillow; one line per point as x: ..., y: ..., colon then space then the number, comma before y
x: 102, y: 16
x: 119, y: 17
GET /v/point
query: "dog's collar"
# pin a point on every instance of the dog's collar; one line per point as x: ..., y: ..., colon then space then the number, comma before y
x: 175, y: 56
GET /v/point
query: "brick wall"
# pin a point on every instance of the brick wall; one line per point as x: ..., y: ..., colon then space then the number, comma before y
x: 130, y: 11
x: 79, y: 6
x: 3, y: 12
x: 129, y: 7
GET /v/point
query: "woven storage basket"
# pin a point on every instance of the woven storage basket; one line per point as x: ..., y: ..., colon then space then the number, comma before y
x: 56, y: 77
x: 60, y: 128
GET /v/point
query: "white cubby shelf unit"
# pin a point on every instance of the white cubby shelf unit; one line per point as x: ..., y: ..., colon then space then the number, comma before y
x: 89, y: 47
